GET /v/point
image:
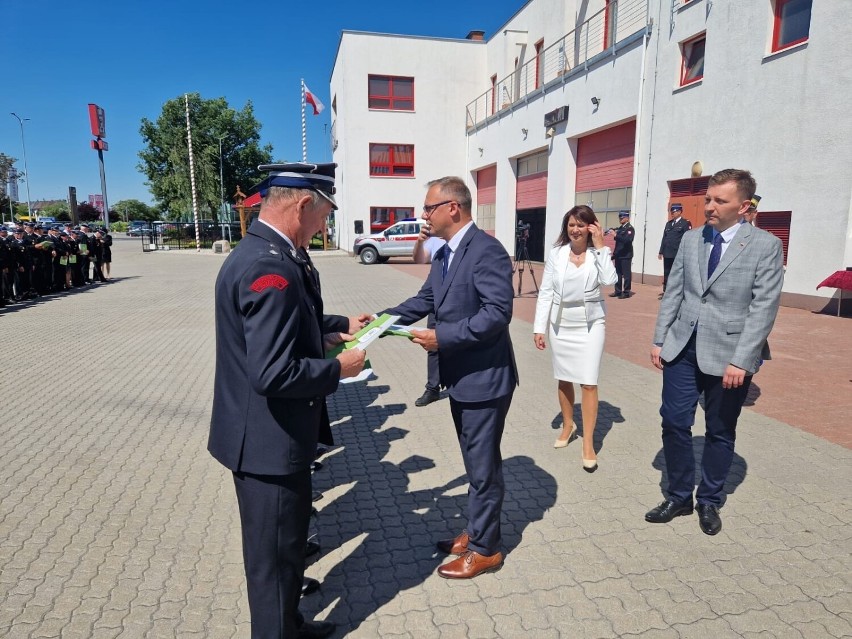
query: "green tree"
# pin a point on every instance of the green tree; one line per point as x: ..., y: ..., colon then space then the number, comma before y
x: 134, y: 210
x: 165, y: 158
x: 59, y: 210
x: 87, y: 213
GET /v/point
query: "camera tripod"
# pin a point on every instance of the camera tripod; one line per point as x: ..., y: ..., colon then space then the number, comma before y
x: 522, y: 259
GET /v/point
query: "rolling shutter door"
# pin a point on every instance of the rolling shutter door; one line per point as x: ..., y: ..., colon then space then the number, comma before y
x: 605, y: 159
x: 777, y: 223
x: 532, y: 191
x: 486, y: 185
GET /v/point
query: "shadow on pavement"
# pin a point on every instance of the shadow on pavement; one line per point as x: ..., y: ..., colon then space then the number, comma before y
x: 388, y: 530
x: 608, y: 415
x: 736, y: 476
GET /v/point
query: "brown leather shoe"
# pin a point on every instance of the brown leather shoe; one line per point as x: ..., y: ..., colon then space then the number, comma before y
x: 470, y: 564
x: 456, y: 545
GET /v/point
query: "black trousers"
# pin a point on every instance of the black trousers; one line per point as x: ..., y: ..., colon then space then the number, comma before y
x: 274, y: 512
x: 668, y: 262
x: 433, y: 376
x: 622, y: 268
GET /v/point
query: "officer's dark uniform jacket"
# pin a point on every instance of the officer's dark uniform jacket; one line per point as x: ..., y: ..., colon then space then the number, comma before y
x: 271, y: 372
x: 672, y: 235
x: 624, y: 235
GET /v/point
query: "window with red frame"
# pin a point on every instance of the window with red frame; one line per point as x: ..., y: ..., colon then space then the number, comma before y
x: 391, y: 92
x: 392, y: 160
x: 693, y: 60
x: 382, y: 217
x: 792, y: 23
x: 539, y: 63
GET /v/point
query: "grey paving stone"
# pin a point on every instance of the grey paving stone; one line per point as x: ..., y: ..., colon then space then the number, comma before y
x: 114, y: 520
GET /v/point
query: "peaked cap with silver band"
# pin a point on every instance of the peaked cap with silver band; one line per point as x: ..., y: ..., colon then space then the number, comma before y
x: 301, y: 175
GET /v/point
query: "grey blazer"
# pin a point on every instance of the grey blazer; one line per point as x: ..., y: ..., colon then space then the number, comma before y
x: 733, y: 312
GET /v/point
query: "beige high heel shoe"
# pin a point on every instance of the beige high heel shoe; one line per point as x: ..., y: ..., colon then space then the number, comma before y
x: 590, y: 465
x: 562, y: 443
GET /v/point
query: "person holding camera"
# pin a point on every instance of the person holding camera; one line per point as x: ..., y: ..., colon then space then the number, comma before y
x: 571, y: 310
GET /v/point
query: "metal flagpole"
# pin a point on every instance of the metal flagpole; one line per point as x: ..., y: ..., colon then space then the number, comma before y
x: 192, y: 175
x: 304, y: 131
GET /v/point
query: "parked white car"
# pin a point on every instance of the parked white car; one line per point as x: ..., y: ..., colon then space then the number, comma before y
x: 395, y: 241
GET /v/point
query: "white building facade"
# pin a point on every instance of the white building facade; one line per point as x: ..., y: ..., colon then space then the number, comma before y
x: 619, y: 104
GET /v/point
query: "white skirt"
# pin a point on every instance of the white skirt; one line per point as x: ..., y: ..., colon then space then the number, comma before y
x: 576, y: 346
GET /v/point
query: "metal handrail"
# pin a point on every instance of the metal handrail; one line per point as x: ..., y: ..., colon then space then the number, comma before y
x: 576, y: 48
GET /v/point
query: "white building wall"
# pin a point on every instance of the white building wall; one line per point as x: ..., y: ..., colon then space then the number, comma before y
x: 783, y: 116
x: 445, y: 74
x: 613, y: 79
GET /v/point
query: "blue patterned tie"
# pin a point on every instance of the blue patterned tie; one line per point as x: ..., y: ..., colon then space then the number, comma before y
x: 445, y: 261
x: 715, y: 255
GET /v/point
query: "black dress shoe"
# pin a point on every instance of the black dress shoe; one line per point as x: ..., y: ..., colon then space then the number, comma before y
x: 315, y: 630
x: 427, y: 398
x: 708, y: 519
x: 313, y: 547
x: 615, y: 295
x: 624, y: 296
x: 309, y: 586
x: 667, y: 511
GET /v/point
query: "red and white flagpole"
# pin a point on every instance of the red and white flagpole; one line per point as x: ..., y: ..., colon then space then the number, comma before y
x: 192, y: 175
x: 304, y: 129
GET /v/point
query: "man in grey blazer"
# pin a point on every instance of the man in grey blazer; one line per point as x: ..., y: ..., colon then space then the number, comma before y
x: 469, y: 290
x: 720, y: 304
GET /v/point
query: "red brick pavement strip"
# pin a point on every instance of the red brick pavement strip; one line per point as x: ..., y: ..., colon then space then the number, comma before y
x: 807, y: 384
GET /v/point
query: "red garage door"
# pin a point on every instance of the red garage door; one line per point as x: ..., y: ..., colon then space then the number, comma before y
x: 531, y: 189
x: 486, y: 185
x: 605, y: 159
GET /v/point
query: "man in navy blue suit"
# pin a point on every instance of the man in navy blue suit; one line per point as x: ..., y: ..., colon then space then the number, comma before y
x: 469, y: 290
x: 272, y: 377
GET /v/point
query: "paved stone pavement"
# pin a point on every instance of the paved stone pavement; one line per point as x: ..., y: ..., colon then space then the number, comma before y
x: 115, y: 522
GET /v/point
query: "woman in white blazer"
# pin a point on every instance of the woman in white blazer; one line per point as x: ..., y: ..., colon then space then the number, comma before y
x: 571, y: 311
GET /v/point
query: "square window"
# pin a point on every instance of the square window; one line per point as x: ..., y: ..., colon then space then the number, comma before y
x: 392, y: 160
x: 792, y: 23
x: 392, y: 93
x: 692, y: 52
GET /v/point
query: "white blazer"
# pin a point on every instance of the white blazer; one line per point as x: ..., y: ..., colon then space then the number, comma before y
x: 600, y: 270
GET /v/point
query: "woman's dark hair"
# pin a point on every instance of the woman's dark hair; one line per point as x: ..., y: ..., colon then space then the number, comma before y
x: 583, y: 213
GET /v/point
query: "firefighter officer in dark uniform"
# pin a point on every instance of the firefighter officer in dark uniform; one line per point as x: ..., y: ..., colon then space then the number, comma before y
x: 272, y: 377
x: 672, y: 235
x: 623, y: 255
x: 6, y: 266
x: 22, y: 265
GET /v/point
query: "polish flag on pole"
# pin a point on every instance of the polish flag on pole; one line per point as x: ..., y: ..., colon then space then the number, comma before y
x: 314, y: 101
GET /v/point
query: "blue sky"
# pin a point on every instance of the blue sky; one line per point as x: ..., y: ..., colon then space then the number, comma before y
x: 130, y: 57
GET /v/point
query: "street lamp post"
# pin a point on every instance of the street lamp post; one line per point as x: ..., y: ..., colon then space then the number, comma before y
x: 221, y: 180
x: 26, y: 168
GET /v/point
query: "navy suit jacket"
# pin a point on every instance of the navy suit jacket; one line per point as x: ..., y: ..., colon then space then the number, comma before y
x: 271, y: 372
x: 473, y: 308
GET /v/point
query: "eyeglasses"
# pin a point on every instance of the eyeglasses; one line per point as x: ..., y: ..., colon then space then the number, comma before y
x: 430, y: 208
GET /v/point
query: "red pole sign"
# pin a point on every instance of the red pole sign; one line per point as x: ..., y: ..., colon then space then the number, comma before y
x: 97, y: 120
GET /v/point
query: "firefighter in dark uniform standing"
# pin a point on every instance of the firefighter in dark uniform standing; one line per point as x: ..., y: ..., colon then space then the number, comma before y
x: 672, y: 235
x: 6, y: 267
x: 272, y: 378
x: 622, y: 255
